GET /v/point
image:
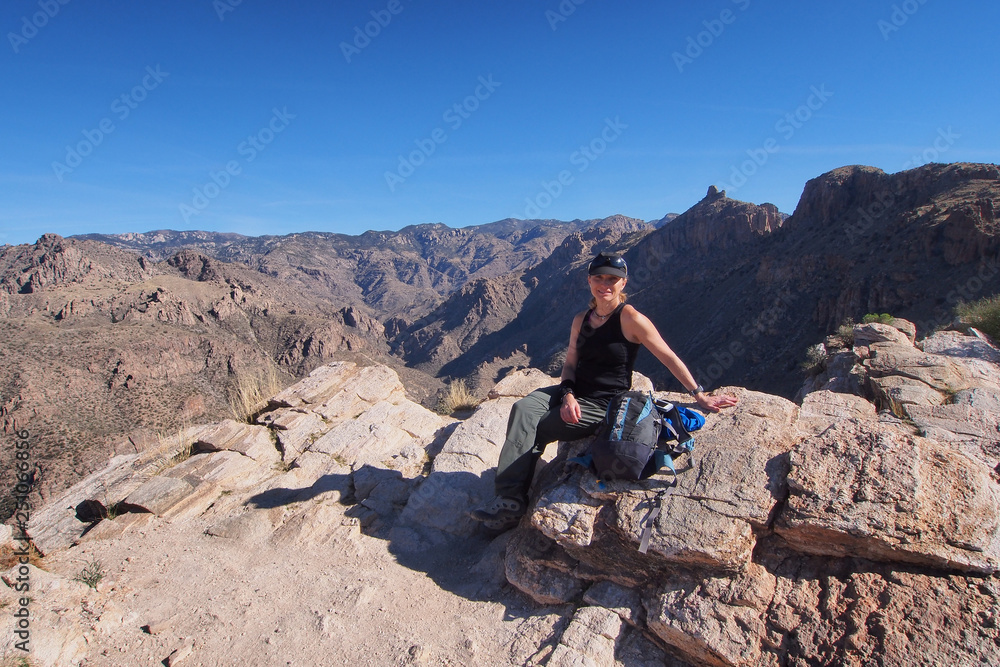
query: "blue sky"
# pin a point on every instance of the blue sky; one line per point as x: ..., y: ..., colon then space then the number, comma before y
x: 265, y: 117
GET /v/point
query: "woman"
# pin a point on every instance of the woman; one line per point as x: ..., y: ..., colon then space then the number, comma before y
x: 603, y: 343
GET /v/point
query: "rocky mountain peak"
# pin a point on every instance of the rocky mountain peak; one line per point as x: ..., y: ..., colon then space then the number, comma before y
x: 717, y: 222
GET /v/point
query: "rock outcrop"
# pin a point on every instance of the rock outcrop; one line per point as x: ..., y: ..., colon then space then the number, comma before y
x: 847, y: 529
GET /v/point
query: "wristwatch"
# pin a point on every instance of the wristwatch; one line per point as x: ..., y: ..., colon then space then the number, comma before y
x: 696, y: 390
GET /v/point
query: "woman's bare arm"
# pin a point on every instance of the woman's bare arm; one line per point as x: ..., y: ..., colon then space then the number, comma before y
x: 639, y: 329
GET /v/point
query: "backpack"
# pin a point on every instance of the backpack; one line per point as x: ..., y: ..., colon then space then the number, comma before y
x: 632, y: 444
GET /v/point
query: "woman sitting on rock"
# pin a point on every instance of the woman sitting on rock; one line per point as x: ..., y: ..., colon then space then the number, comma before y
x: 603, y: 343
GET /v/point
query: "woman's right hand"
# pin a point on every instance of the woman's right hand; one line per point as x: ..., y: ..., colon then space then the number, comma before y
x: 570, y: 410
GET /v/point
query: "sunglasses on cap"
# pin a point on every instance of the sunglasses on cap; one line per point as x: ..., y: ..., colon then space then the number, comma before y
x: 608, y: 264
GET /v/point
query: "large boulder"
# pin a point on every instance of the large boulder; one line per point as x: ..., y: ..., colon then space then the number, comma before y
x: 728, y: 488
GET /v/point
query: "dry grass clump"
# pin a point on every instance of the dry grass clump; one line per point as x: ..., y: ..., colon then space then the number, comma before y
x: 9, y: 556
x: 250, y: 391
x: 457, y: 398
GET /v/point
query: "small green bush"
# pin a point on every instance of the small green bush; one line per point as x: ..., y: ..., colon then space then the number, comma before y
x: 983, y: 314
x: 880, y: 318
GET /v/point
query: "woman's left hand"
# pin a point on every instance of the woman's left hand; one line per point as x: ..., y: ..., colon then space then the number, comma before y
x: 715, y: 403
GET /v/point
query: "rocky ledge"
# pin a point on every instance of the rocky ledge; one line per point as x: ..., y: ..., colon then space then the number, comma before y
x: 859, y: 525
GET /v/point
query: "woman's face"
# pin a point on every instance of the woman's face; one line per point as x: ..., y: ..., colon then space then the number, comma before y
x: 606, y: 289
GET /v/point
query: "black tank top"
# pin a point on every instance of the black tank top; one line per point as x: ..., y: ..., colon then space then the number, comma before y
x: 605, y: 358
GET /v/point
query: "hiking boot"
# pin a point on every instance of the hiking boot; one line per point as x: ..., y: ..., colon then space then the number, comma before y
x: 501, y: 525
x: 499, y: 510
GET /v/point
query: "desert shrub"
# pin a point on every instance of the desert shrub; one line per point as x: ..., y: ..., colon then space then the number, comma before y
x: 250, y: 391
x: 880, y: 318
x: 983, y: 314
x: 457, y: 397
x: 815, y: 360
x: 845, y: 333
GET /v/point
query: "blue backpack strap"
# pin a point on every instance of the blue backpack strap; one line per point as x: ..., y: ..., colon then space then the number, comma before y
x: 618, y: 421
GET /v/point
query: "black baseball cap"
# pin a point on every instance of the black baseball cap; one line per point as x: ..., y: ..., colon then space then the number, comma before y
x: 609, y: 264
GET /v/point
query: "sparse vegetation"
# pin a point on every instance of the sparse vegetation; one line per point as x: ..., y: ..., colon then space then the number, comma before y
x: 845, y: 333
x: 9, y: 558
x: 172, y: 450
x: 250, y: 391
x: 880, y: 318
x: 457, y: 397
x: 91, y: 574
x: 815, y: 359
x: 983, y: 314
x: 18, y: 661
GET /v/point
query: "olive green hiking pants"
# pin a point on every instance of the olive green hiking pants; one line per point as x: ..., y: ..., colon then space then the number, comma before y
x: 533, y: 423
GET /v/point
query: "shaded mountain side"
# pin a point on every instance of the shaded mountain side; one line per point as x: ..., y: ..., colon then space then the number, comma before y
x: 402, y: 274
x: 477, y: 309
x: 860, y: 241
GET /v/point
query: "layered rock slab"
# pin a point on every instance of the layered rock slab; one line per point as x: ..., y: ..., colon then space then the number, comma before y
x: 872, y: 491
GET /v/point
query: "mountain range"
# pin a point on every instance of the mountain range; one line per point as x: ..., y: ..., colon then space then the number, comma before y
x: 109, y: 340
